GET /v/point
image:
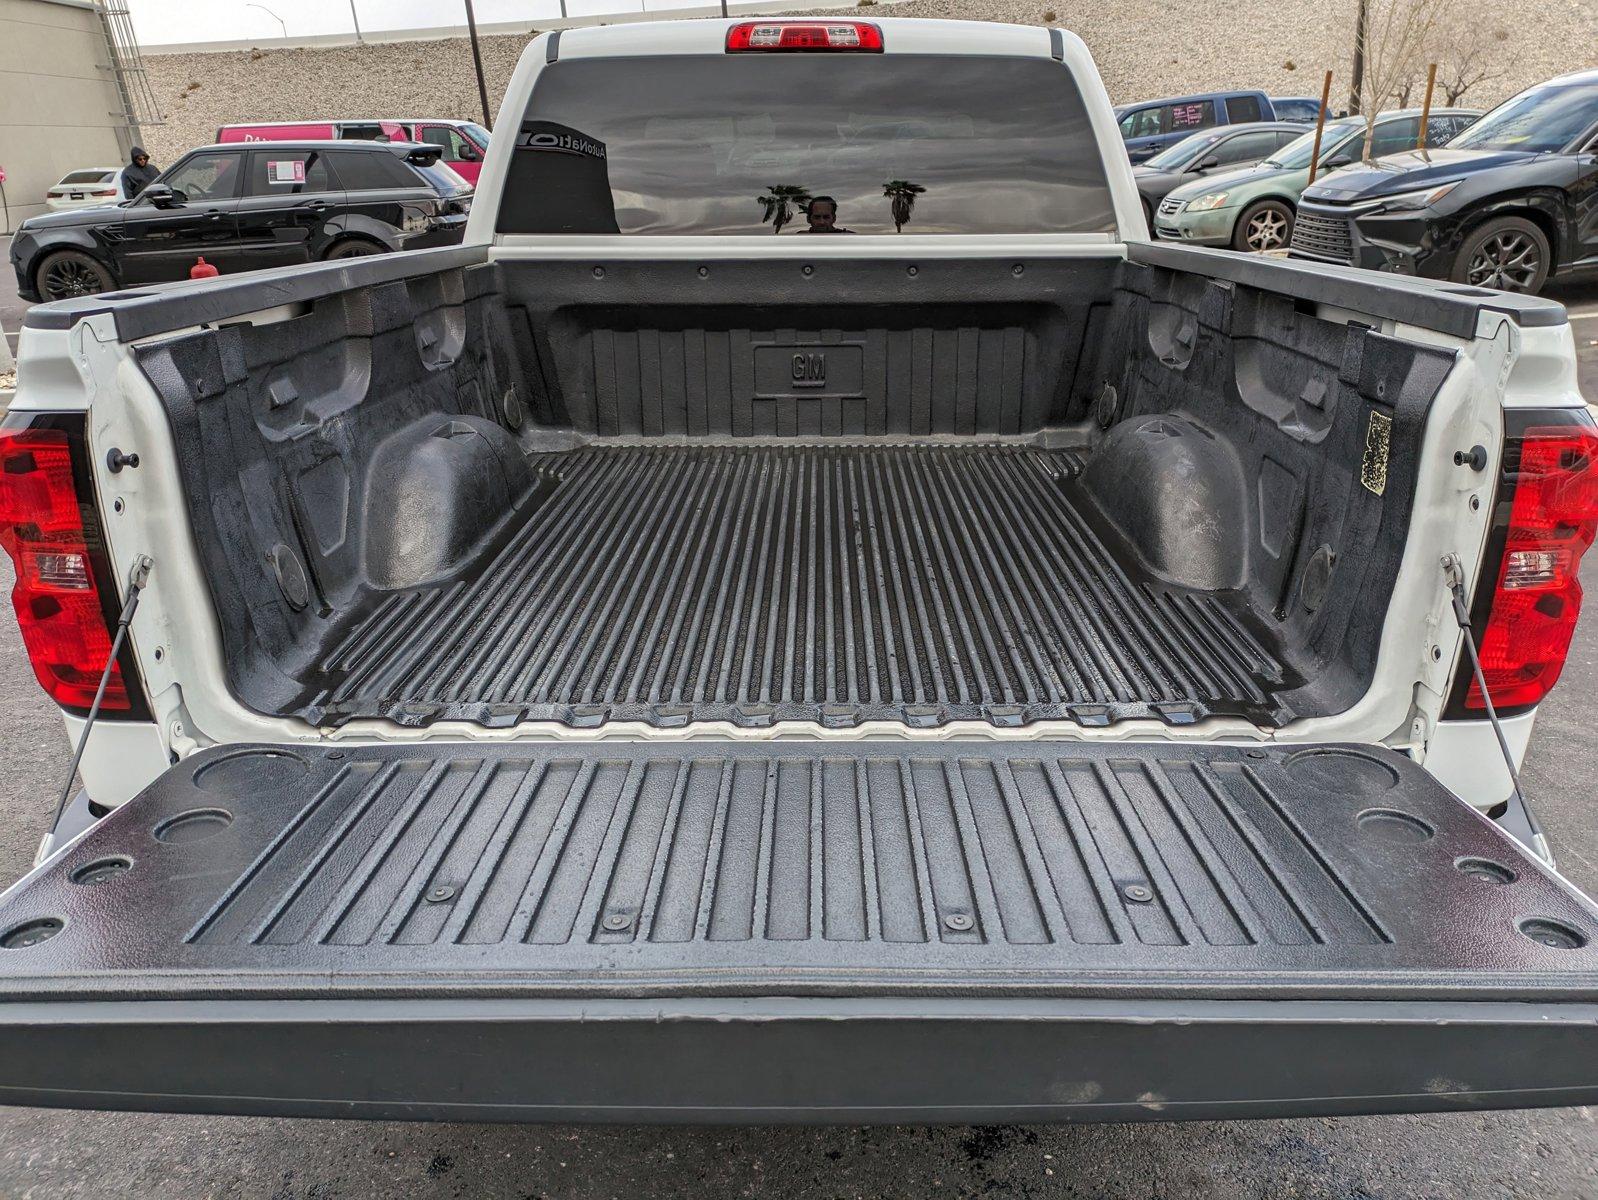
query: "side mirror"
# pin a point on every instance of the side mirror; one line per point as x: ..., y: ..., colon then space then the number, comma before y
x: 468, y: 152
x: 160, y: 195
x: 1209, y: 164
x: 1341, y: 159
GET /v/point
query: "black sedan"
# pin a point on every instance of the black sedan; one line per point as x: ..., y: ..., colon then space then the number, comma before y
x: 245, y: 206
x: 1506, y: 204
x: 1219, y: 149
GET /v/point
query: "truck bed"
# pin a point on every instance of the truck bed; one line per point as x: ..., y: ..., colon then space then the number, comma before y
x: 834, y: 584
x: 545, y: 490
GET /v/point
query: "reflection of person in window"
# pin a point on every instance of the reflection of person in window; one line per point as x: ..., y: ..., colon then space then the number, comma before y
x: 822, y: 215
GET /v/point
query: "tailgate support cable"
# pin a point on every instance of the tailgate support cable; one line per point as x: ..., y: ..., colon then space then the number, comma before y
x: 1456, y: 587
x: 137, y: 578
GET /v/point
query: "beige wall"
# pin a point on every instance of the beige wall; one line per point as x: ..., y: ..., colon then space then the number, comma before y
x: 60, y: 108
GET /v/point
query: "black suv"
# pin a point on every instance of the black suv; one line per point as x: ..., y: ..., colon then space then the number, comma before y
x: 244, y: 206
x: 1507, y: 203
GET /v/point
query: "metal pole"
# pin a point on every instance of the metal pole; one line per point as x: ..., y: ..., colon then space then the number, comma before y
x: 354, y: 17
x: 477, y: 62
x: 1357, y: 75
x: 1426, y: 105
x: 1320, y: 128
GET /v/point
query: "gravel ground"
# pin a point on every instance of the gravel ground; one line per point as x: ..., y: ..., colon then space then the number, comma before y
x: 1146, y: 49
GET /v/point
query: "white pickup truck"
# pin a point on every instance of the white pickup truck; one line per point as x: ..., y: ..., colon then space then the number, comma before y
x: 806, y: 615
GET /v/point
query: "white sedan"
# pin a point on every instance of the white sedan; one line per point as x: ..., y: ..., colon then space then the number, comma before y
x: 86, y: 188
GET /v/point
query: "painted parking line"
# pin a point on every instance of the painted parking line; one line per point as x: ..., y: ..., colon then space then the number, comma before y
x: 1583, y: 316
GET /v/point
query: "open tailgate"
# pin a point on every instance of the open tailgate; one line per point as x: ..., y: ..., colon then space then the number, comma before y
x: 797, y: 931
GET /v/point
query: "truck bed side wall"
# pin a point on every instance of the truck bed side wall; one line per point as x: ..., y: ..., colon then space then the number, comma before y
x: 377, y: 440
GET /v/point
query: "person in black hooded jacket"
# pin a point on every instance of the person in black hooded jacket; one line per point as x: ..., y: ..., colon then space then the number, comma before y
x: 139, y: 173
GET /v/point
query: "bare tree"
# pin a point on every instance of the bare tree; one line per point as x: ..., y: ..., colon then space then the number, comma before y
x: 1467, y: 56
x: 1395, y: 38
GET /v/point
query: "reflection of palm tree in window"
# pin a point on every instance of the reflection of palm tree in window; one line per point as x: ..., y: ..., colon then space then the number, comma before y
x: 781, y: 202
x: 901, y: 194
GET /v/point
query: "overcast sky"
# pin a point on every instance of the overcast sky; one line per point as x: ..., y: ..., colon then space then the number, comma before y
x: 163, y: 22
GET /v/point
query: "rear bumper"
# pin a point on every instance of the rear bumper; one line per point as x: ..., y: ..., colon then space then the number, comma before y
x: 798, y: 1060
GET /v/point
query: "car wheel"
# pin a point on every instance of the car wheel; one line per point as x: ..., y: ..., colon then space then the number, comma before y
x: 68, y: 273
x: 1508, y: 253
x: 352, y: 248
x: 1267, y: 225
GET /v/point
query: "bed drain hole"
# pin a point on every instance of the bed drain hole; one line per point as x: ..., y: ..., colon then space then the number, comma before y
x: 31, y: 933
x: 1485, y: 870
x: 102, y: 870
x: 1390, y: 825
x: 1552, y: 933
x: 196, y: 825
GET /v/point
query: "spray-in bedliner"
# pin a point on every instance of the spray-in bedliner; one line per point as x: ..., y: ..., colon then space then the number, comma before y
x: 920, y: 584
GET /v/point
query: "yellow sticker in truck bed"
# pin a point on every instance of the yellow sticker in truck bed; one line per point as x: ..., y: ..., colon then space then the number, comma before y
x: 1373, y: 470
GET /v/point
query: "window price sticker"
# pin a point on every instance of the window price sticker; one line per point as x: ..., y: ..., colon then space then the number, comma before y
x: 290, y: 170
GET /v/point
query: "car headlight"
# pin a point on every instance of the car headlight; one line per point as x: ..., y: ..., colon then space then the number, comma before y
x: 1207, y: 201
x: 1415, y: 201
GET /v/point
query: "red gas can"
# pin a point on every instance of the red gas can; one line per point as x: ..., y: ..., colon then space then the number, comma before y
x: 202, y: 269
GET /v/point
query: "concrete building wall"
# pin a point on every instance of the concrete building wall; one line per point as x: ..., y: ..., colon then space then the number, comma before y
x: 60, y: 107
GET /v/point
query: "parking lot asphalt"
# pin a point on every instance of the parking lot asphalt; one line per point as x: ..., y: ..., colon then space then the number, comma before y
x: 1538, y: 1153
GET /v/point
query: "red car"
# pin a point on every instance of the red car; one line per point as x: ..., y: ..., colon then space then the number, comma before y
x: 464, y: 142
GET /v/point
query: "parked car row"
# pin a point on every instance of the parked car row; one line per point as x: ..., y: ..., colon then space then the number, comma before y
x: 1509, y: 203
x: 1506, y: 201
x: 244, y: 207
x: 1255, y: 207
x: 1151, y: 126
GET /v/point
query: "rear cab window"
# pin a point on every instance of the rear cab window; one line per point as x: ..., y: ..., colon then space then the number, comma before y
x: 794, y: 144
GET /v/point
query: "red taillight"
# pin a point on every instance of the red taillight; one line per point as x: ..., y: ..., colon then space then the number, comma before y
x: 56, y: 596
x: 1552, y: 520
x: 104, y: 192
x: 752, y: 36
